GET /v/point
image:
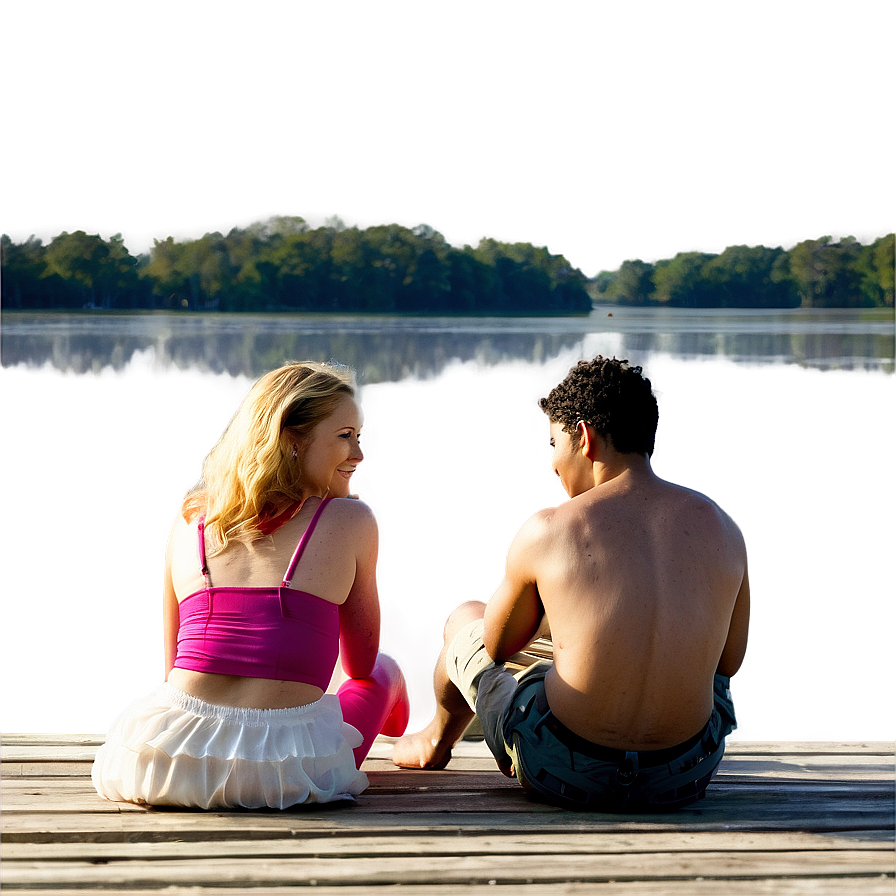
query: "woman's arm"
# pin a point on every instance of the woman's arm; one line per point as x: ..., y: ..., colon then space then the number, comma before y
x: 359, y: 615
x: 170, y: 612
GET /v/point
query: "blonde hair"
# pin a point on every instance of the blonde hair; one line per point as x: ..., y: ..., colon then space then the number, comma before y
x: 252, y: 463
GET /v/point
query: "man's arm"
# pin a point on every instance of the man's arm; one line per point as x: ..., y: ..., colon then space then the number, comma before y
x: 736, y: 644
x: 514, y: 614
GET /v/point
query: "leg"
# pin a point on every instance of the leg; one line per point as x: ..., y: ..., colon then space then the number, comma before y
x: 375, y: 705
x: 431, y: 747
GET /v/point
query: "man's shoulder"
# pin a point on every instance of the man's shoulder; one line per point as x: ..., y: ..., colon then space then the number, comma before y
x: 553, y: 527
x: 687, y: 496
x: 700, y: 506
x: 535, y: 533
x: 539, y: 523
x: 701, y: 500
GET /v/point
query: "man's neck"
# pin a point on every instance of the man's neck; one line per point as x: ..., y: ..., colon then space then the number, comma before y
x: 632, y: 466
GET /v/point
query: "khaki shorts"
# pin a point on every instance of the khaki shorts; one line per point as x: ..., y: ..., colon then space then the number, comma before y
x: 488, y: 687
x: 467, y: 659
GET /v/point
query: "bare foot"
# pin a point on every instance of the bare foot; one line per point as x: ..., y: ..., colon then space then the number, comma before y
x: 425, y: 749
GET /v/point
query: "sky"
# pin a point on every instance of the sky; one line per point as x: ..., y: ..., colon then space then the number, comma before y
x: 604, y: 131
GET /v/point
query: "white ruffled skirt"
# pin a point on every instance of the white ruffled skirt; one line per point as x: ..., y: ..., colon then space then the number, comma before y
x: 171, y: 749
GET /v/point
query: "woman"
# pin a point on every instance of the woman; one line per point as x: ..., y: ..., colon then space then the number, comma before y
x: 243, y: 719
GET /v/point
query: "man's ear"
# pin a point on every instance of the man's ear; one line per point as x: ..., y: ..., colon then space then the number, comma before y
x: 589, y: 441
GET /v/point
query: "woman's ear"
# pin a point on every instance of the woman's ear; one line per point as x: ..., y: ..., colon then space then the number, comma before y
x: 291, y: 442
x: 293, y: 447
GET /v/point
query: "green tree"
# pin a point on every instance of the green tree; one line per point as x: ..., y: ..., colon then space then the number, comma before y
x: 472, y: 282
x: 633, y: 284
x: 102, y: 274
x: 680, y: 282
x: 602, y: 283
x: 741, y: 277
x: 22, y: 284
x: 196, y: 275
x: 168, y: 272
x: 430, y: 284
x: 875, y: 267
x: 824, y: 273
x: 570, y: 287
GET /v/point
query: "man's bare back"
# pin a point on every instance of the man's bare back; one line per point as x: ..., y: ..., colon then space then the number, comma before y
x: 643, y: 585
x: 627, y: 572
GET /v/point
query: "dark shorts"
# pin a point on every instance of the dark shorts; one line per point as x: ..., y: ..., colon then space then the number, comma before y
x: 563, y: 768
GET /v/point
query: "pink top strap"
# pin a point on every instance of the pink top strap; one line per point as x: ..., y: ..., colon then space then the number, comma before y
x: 297, y: 554
x: 202, y: 561
x: 300, y: 547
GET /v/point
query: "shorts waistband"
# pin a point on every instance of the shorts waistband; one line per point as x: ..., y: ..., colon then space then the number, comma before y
x: 578, y: 744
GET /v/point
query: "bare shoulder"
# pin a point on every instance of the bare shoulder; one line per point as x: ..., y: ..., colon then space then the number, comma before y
x: 350, y: 512
x: 703, y: 508
x: 540, y: 524
x: 178, y: 524
x: 536, y: 534
x: 177, y: 533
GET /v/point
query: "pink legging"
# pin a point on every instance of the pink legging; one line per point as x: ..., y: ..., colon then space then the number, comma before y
x: 376, y: 705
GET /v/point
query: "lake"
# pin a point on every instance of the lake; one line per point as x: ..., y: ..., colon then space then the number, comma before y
x: 389, y: 349
x: 785, y: 418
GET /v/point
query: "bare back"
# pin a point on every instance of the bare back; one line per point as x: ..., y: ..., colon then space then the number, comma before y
x: 639, y: 579
x: 639, y: 584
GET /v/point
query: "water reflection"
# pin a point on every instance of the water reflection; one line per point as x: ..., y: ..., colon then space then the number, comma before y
x: 389, y: 349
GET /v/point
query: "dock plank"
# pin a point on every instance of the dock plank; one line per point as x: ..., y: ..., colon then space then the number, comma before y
x: 402, y: 845
x: 375, y: 871
x: 833, y: 886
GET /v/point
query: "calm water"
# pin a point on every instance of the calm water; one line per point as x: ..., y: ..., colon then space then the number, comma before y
x: 787, y: 420
x: 387, y: 349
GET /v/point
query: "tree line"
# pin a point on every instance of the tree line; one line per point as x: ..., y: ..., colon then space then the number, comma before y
x: 818, y: 273
x: 283, y: 264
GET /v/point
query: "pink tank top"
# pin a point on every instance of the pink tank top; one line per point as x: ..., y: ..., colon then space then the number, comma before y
x: 275, y: 633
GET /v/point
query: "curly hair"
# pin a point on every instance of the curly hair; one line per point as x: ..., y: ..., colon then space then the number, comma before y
x: 252, y: 463
x: 611, y: 395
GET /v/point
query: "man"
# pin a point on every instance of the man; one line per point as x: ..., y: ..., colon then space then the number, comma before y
x: 642, y: 587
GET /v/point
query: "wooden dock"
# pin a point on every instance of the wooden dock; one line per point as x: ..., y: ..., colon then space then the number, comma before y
x: 807, y: 818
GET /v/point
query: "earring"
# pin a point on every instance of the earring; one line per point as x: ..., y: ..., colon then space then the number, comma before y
x: 295, y: 452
